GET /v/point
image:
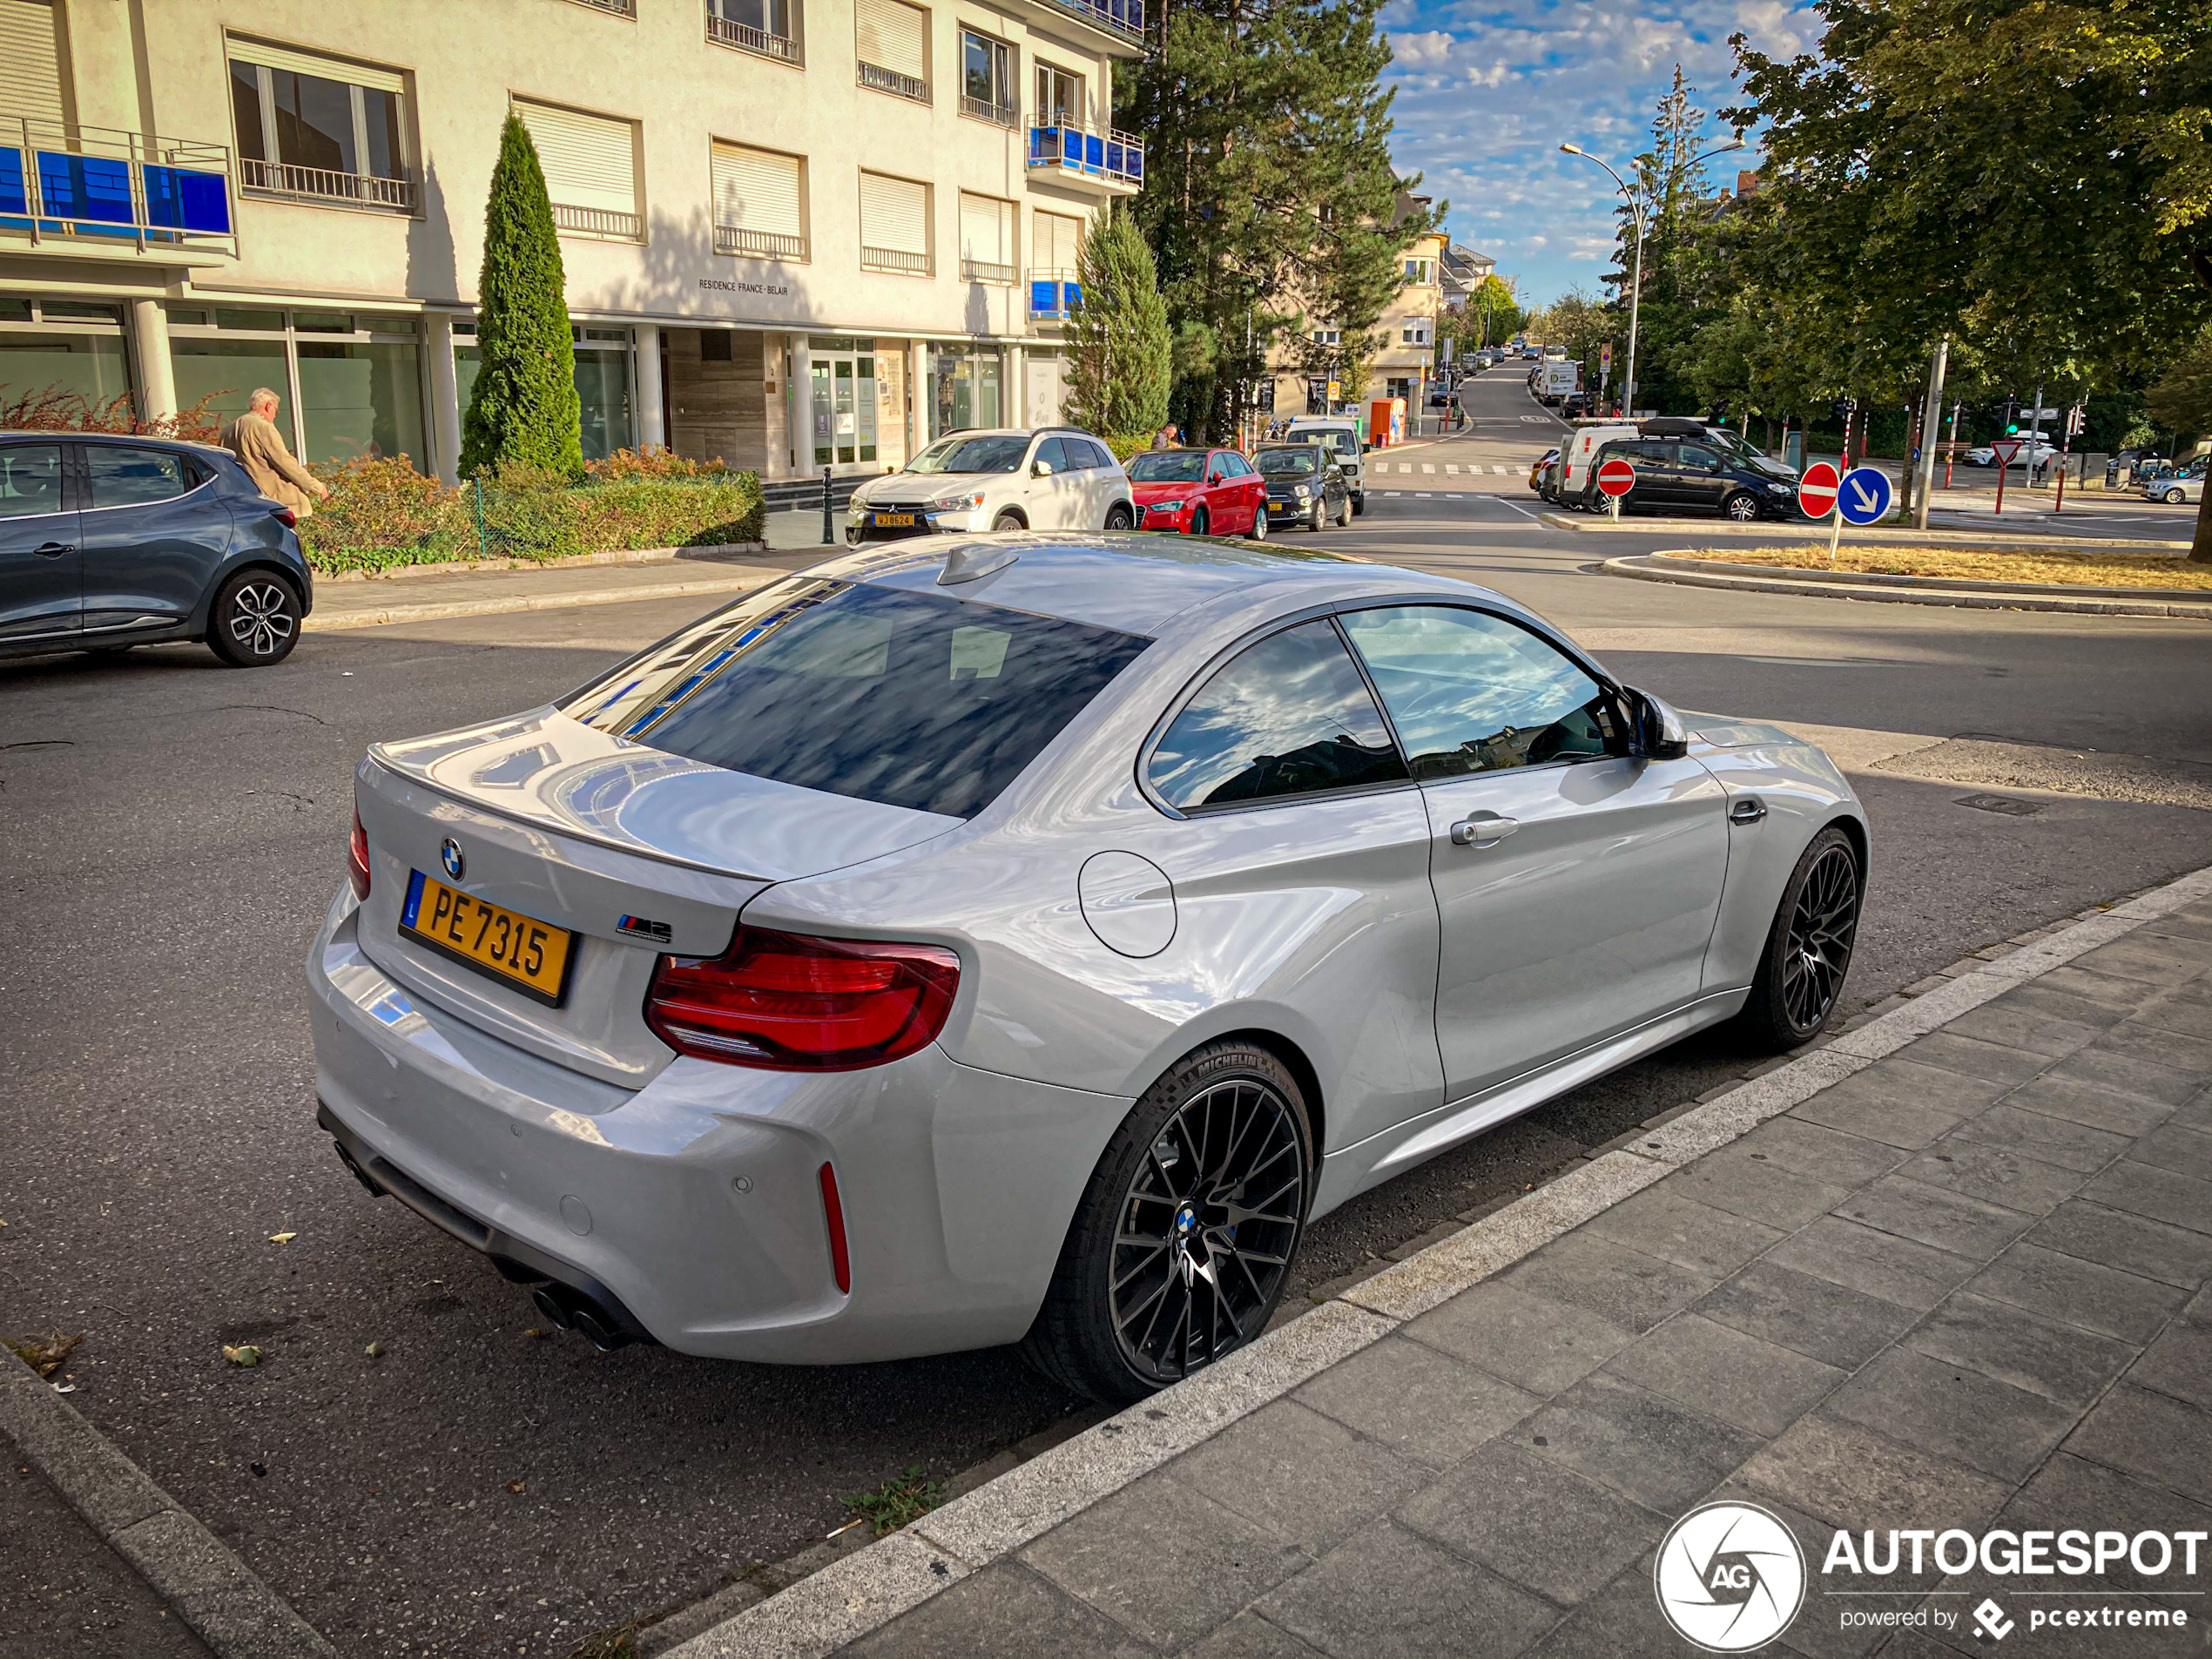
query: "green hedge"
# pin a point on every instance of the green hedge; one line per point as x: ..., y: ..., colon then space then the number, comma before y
x: 382, y: 513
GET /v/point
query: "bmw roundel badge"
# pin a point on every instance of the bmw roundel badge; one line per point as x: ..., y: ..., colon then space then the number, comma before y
x: 450, y: 854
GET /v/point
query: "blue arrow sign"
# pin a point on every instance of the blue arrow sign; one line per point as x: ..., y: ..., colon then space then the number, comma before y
x: 1865, y: 495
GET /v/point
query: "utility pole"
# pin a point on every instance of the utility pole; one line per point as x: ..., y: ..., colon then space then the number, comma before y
x: 1930, y: 420
x: 2035, y: 434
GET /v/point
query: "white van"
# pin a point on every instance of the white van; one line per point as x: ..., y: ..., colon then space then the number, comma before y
x: 1341, y: 436
x: 1579, y: 452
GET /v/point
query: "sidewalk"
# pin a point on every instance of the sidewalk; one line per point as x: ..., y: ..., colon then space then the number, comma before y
x: 1946, y: 1271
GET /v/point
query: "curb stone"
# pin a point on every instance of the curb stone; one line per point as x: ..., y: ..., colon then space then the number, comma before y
x: 1993, y: 596
x: 227, y: 1605
x: 738, y: 578
x: 572, y: 562
x: 812, y: 1619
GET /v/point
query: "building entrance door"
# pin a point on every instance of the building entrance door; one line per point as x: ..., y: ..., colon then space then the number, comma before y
x: 844, y: 400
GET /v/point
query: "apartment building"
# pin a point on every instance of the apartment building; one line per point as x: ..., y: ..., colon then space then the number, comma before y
x: 1407, y: 331
x: 796, y: 233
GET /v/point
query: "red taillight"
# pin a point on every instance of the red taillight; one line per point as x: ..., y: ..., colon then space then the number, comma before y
x: 285, y: 516
x: 792, y: 1004
x: 833, y: 1213
x: 357, y: 860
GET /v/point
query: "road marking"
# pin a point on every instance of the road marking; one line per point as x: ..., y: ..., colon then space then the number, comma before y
x: 1452, y: 468
x: 1428, y: 466
x: 1501, y: 471
x: 1516, y: 505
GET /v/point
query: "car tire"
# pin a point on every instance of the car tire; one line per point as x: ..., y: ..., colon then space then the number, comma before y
x: 1118, y: 516
x: 1009, y: 520
x: 1807, y: 947
x: 1742, y: 507
x: 1343, y: 514
x: 1258, y: 531
x: 1226, y: 1130
x: 2176, y: 497
x: 1359, y: 504
x: 254, y: 621
x: 1200, y: 523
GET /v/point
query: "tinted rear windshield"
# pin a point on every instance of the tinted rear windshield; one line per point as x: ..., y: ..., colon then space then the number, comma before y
x: 912, y: 699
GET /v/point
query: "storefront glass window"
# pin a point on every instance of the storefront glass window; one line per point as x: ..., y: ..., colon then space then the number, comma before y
x: 965, y: 390
x: 363, y: 400
x: 225, y: 372
x: 92, y: 366
x: 602, y: 389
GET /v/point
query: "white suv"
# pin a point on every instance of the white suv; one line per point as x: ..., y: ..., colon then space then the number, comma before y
x: 1052, y: 478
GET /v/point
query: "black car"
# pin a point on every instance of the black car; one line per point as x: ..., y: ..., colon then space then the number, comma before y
x: 1677, y: 476
x: 110, y: 542
x: 1304, y: 486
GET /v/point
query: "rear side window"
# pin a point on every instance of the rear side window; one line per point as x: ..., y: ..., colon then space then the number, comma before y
x: 1083, y: 453
x: 134, y: 477
x: 30, y: 480
x: 1052, y: 454
x: 912, y: 699
x: 1289, y: 716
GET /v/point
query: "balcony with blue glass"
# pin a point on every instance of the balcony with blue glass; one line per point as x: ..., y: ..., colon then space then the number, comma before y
x: 100, y: 190
x: 1054, y: 295
x: 1121, y: 20
x: 1068, y: 151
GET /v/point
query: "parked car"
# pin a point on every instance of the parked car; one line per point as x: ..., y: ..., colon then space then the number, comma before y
x: 1304, y: 485
x: 2030, y: 454
x: 2174, y: 488
x: 108, y: 542
x: 1045, y: 478
x: 1548, y: 461
x: 1204, y: 492
x: 1694, y: 476
x: 1340, y: 436
x: 1026, y: 941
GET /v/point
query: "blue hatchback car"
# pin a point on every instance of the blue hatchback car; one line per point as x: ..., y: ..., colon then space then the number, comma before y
x: 108, y: 542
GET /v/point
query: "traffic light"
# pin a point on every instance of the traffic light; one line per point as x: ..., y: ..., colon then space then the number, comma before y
x: 2011, y: 415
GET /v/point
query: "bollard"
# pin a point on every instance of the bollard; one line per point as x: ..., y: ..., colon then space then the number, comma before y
x: 828, y: 539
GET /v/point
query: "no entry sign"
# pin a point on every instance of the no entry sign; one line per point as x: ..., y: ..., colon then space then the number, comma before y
x: 1616, y: 478
x: 1816, y: 490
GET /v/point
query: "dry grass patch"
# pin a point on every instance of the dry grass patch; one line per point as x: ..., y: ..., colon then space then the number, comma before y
x: 2080, y: 570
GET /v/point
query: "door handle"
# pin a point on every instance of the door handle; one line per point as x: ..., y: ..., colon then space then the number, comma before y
x: 1748, y: 809
x: 53, y: 551
x: 1483, y: 829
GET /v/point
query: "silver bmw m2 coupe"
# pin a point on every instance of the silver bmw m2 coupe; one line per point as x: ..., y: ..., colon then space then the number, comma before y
x: 1023, y: 938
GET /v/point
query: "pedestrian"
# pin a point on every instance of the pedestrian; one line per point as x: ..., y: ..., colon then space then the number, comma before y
x: 259, y: 447
x: 1166, y: 437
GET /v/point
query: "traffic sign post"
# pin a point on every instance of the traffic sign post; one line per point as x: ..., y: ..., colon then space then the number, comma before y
x: 1817, y: 490
x: 1865, y: 495
x: 1616, y: 478
x: 2005, y: 449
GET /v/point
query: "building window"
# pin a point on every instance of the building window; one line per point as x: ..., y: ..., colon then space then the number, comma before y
x: 1421, y: 271
x: 1328, y: 336
x: 30, y: 63
x: 892, y: 40
x: 315, y: 128
x: 591, y: 163
x: 1059, y: 98
x: 759, y: 203
x: 350, y: 382
x: 763, y: 26
x: 986, y: 239
x: 964, y: 390
x: 604, y: 387
x: 843, y: 399
x: 1414, y: 333
x: 895, y: 225
x: 67, y: 346
x: 1399, y: 385
x: 986, y: 79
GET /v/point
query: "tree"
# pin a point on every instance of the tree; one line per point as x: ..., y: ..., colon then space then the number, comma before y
x: 1270, y: 199
x: 1492, y: 313
x: 2182, y: 400
x: 1120, y: 351
x: 2031, y: 177
x: 523, y: 410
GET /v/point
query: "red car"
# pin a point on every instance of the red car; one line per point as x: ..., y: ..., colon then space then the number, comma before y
x: 1199, y: 492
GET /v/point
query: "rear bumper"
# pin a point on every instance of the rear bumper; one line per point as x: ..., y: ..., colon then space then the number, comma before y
x: 691, y: 1208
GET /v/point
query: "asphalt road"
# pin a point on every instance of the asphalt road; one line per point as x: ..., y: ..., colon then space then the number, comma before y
x: 174, y: 831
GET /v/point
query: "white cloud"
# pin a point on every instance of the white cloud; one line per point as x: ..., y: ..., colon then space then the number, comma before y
x: 1414, y: 51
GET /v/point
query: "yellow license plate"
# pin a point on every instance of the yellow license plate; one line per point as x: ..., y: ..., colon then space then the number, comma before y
x: 894, y: 521
x: 529, y: 955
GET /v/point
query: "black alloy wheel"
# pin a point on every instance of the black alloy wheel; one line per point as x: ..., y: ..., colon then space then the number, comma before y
x: 1741, y: 507
x: 254, y: 620
x: 1809, y: 949
x: 1180, y: 1249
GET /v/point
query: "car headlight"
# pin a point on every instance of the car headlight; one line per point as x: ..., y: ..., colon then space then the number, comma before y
x: 1781, y: 490
x: 1164, y: 507
x: 1302, y: 490
x: 957, y: 503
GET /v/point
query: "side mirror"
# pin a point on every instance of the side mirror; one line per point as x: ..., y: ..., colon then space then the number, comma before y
x: 1042, y: 469
x: 1213, y: 478
x: 1662, y: 735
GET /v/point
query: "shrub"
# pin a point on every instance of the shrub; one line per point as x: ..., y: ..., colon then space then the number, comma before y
x: 53, y: 409
x: 524, y: 405
x: 382, y: 513
x: 656, y: 461
x: 1126, y: 444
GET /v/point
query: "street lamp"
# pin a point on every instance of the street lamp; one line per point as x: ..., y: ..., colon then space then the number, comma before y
x: 1636, y: 293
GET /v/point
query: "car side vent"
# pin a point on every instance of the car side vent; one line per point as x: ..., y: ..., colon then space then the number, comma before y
x: 967, y: 563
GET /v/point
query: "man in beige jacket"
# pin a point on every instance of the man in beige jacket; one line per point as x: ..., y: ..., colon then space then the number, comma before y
x: 254, y: 439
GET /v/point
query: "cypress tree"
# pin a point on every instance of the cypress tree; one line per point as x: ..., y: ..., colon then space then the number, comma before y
x: 523, y: 409
x: 1119, y: 350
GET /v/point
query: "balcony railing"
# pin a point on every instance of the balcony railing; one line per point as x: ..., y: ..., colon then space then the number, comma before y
x: 984, y: 271
x: 724, y: 32
x: 1053, y: 294
x: 620, y: 7
x: 1121, y: 17
x: 891, y: 81
x: 322, y: 185
x: 58, y: 179
x: 1118, y: 157
x: 896, y: 260
x: 982, y: 109
x: 758, y: 245
x: 599, y: 221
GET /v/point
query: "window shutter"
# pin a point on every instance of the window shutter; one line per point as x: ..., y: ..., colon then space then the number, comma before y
x: 758, y: 190
x: 894, y: 214
x: 30, y: 63
x: 1058, y: 239
x: 328, y: 69
x: 892, y: 35
x: 987, y: 229
x: 589, y: 160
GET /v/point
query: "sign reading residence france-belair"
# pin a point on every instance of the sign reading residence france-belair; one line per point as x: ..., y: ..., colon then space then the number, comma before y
x: 724, y: 285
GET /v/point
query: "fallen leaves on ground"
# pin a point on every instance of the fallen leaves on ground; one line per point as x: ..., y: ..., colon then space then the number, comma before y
x: 517, y: 1486
x: 2056, y: 565
x: 44, y: 1355
x: 282, y: 1238
x: 246, y: 1355
x: 375, y: 1350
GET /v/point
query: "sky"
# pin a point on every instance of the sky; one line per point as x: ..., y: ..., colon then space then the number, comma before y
x: 1487, y: 91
